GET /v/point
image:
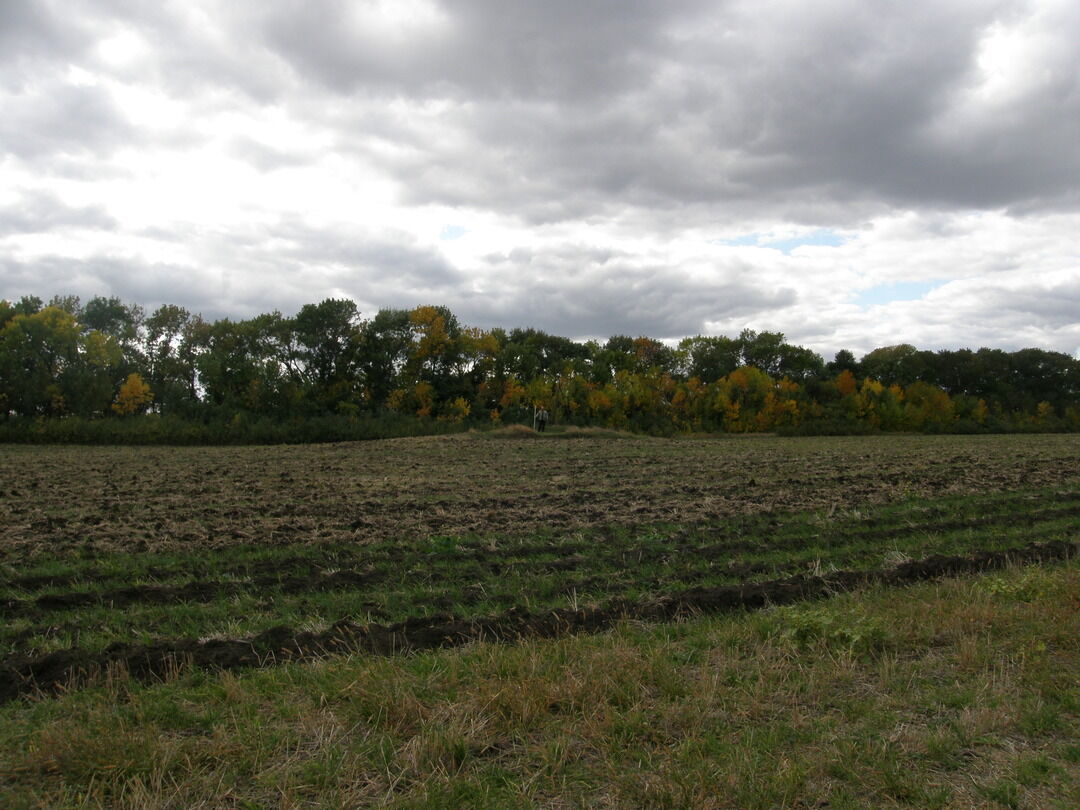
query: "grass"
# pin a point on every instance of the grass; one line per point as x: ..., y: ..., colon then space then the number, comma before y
x: 958, y: 693
x: 962, y: 694
x: 242, y: 590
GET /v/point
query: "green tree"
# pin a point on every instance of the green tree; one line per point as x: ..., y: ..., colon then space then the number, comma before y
x: 7, y: 312
x: 528, y: 353
x: 798, y: 363
x: 1039, y: 376
x: 88, y: 384
x: 69, y: 303
x: 438, y: 354
x: 35, y: 350
x: 711, y: 358
x: 843, y: 360
x: 241, y: 365
x: 614, y: 356
x: 29, y: 305
x: 897, y: 365
x: 327, y: 351
x: 113, y: 317
x: 385, y: 347
x: 762, y: 350
x: 170, y: 347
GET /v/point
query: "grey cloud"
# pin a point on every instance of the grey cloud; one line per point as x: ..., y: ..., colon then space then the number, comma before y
x: 292, y: 250
x: 556, y: 50
x: 62, y: 119
x: 211, y: 291
x: 186, y: 55
x: 637, y: 117
x: 33, y: 32
x: 242, y: 274
x: 192, y: 59
x: 828, y: 106
x: 564, y: 110
x: 1047, y: 306
x: 966, y: 314
x: 377, y: 260
x: 37, y: 211
x: 148, y: 284
x: 840, y: 101
x: 588, y: 293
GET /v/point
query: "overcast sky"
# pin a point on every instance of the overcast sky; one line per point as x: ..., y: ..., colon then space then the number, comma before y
x: 852, y: 173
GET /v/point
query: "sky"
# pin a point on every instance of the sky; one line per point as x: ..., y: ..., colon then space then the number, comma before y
x: 852, y: 173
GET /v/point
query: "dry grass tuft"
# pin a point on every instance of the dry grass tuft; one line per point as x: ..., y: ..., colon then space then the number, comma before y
x: 971, y: 701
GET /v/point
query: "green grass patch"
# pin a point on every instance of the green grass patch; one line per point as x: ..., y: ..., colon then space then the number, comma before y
x: 242, y: 590
x: 957, y: 695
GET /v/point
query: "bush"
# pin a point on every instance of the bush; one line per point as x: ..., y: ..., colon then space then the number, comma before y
x: 240, y: 429
x: 828, y: 427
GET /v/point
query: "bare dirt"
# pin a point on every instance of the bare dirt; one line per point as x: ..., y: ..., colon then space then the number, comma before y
x: 344, y: 515
x: 94, y: 500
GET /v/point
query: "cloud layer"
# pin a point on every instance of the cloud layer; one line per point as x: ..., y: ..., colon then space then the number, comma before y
x: 588, y: 168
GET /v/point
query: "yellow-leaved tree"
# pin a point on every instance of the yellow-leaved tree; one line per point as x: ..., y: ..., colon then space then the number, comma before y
x: 456, y: 410
x: 134, y: 396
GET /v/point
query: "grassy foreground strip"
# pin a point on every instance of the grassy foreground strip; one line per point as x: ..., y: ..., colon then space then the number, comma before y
x: 97, y: 608
x: 66, y: 669
x: 957, y: 693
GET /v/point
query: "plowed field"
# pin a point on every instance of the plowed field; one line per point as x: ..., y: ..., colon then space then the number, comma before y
x: 150, y: 558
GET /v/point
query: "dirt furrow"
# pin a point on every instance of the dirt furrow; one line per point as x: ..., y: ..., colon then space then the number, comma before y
x: 188, y: 592
x: 69, y: 668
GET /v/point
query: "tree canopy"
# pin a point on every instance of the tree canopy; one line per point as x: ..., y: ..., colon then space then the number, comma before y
x: 108, y: 359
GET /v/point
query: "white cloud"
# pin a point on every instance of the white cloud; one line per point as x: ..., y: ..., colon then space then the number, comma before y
x: 662, y: 169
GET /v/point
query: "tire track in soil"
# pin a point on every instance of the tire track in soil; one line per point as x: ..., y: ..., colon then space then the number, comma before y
x: 188, y: 592
x: 69, y: 668
x: 796, y: 542
x: 270, y: 570
x: 500, y: 563
x: 368, y: 556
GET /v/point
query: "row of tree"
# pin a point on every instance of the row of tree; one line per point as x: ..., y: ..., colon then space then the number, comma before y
x: 106, y: 358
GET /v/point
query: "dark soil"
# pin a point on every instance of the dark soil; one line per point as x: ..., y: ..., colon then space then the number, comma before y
x: 97, y: 500
x: 64, y: 669
x: 188, y: 592
x: 276, y: 577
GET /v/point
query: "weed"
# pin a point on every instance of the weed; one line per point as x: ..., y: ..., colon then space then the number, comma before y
x: 807, y: 626
x: 1026, y: 588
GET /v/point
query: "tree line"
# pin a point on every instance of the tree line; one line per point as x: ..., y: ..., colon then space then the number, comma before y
x: 109, y: 360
